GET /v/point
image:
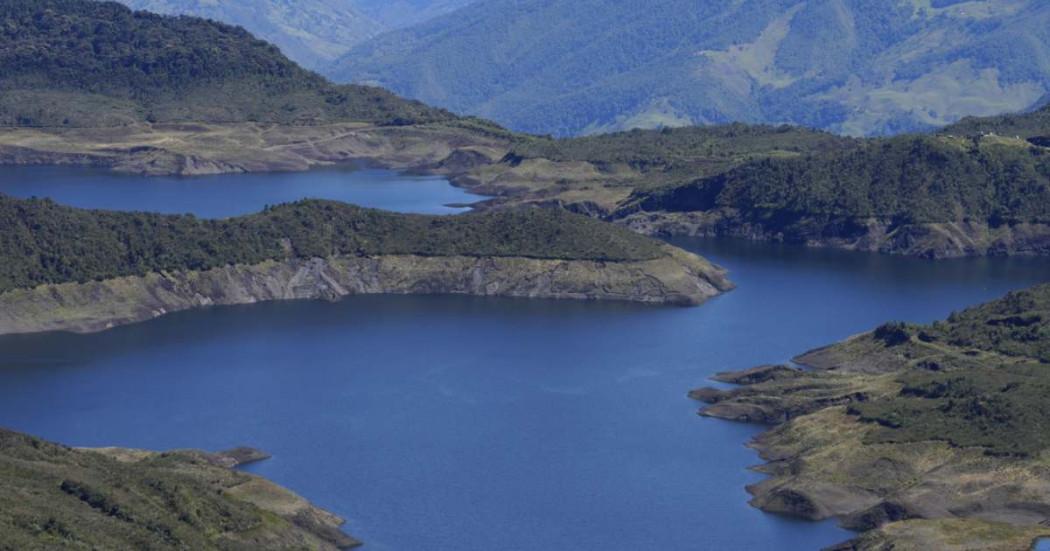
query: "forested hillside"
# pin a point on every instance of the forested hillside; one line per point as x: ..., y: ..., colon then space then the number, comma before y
x: 968, y: 172
x: 851, y: 66
x: 312, y: 32
x: 43, y: 242
x: 85, y: 63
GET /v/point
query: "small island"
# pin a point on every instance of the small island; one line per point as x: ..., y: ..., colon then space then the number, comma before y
x: 918, y: 436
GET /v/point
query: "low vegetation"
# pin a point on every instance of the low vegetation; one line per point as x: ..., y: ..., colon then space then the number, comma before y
x: 55, y: 497
x: 908, y: 427
x: 44, y: 242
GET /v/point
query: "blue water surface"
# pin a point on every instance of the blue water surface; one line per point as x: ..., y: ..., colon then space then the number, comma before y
x: 227, y: 195
x: 440, y: 423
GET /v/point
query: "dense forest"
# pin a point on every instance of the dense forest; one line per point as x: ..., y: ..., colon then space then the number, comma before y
x: 669, y: 155
x: 86, y: 63
x: 953, y: 176
x: 44, y: 242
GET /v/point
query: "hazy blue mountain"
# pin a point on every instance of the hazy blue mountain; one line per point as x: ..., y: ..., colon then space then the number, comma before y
x: 395, y: 14
x: 852, y: 66
x: 311, y: 32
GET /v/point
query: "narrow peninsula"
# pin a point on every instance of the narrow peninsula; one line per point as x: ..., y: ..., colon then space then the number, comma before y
x: 77, y: 270
x: 917, y: 436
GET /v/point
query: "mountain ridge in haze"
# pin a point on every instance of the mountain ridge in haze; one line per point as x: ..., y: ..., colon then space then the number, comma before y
x: 851, y: 66
x: 312, y: 32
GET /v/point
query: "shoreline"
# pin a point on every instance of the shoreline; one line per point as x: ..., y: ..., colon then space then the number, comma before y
x: 476, y: 162
x: 678, y: 278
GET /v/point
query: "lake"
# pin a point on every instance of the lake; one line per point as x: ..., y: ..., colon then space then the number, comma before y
x: 228, y: 195
x: 479, y: 423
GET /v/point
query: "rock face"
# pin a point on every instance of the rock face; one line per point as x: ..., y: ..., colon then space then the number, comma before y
x: 679, y: 278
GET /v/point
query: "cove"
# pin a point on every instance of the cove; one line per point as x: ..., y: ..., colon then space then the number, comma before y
x: 477, y: 424
x: 228, y: 195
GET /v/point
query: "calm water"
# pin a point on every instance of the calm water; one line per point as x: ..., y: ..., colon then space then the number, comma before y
x: 233, y: 194
x: 436, y: 423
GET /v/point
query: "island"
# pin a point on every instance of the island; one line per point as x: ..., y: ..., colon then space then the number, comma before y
x: 69, y: 269
x: 918, y: 436
x: 55, y: 496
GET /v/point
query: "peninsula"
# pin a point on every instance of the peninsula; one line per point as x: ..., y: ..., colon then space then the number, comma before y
x: 60, y: 497
x: 77, y: 270
x: 918, y: 436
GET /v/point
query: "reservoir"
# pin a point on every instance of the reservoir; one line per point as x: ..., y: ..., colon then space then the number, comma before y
x: 228, y: 195
x: 435, y: 423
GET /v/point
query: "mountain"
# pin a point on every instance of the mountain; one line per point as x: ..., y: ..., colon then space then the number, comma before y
x: 314, y: 33
x: 396, y: 14
x: 850, y: 66
x: 84, y: 63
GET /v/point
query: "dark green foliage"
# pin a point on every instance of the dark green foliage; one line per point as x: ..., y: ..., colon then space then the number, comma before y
x: 43, y: 242
x: 908, y: 179
x: 1003, y: 409
x: 54, y: 497
x: 670, y: 153
x: 985, y: 385
x: 84, y: 63
x: 1024, y: 125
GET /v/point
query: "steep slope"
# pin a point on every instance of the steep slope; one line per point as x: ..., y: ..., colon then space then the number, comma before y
x: 397, y: 14
x: 312, y: 32
x: 82, y: 63
x: 918, y: 436
x: 55, y: 497
x: 851, y: 66
x: 77, y: 270
x: 979, y: 187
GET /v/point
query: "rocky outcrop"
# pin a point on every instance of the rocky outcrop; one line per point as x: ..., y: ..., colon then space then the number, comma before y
x: 941, y: 240
x: 679, y: 278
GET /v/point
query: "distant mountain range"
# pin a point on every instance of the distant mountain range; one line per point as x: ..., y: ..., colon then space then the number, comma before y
x: 312, y: 32
x: 851, y: 66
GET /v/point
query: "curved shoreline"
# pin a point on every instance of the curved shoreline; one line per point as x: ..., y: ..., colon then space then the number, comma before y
x: 678, y: 278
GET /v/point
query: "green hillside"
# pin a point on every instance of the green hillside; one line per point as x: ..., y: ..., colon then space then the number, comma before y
x: 44, y: 242
x: 311, y: 32
x: 850, y: 66
x: 56, y: 497
x: 968, y: 172
x: 85, y: 63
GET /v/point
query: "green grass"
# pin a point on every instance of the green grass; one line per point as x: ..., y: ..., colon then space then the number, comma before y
x: 979, y: 378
